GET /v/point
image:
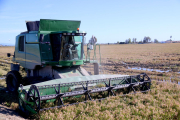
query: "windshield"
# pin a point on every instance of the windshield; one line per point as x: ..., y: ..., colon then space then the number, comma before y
x: 67, y: 47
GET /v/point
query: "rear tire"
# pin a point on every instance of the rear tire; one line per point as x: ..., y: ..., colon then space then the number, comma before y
x: 13, y: 79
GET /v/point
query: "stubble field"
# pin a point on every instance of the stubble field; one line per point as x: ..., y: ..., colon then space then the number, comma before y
x: 161, y: 62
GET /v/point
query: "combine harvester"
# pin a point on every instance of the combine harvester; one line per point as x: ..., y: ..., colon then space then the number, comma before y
x: 52, y: 52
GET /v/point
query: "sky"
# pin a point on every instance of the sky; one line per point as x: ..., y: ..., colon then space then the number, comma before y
x: 109, y: 20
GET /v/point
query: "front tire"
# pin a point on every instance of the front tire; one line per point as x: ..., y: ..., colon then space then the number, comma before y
x: 13, y: 79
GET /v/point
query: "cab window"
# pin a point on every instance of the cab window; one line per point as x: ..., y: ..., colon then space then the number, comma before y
x: 21, y: 43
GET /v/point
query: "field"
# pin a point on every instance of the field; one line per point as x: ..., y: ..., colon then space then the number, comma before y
x: 161, y: 62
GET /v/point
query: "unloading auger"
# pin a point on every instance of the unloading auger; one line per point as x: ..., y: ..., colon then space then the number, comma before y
x: 52, y: 52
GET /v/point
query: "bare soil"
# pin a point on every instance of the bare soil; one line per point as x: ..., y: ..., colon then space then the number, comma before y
x: 9, y: 114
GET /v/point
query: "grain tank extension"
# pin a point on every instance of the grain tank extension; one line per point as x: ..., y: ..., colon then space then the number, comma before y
x: 52, y: 54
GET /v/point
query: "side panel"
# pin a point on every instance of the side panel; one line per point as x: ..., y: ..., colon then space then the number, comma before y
x: 58, y: 25
x: 46, y: 50
x: 20, y: 54
x: 33, y: 57
x: 56, y: 46
x: 32, y: 37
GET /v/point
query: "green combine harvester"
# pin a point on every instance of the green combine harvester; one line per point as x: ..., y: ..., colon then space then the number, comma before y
x: 52, y: 54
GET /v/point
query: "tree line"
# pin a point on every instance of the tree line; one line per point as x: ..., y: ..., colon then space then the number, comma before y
x: 134, y: 40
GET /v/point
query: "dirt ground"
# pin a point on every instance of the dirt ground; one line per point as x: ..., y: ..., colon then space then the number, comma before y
x: 9, y: 114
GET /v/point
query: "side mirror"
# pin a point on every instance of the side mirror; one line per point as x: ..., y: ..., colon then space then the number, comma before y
x: 8, y: 54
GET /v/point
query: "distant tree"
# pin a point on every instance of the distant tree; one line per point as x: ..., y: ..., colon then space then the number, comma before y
x: 134, y: 40
x: 146, y: 39
x: 140, y: 41
x: 117, y: 42
x: 156, y: 41
x: 129, y: 40
x: 126, y: 41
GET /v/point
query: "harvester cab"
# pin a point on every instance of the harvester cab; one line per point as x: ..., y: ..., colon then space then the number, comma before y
x: 52, y: 54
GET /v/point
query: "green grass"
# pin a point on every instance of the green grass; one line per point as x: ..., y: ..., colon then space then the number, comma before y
x: 162, y: 102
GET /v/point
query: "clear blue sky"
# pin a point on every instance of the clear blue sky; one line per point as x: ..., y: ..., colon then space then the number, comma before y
x: 109, y: 20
